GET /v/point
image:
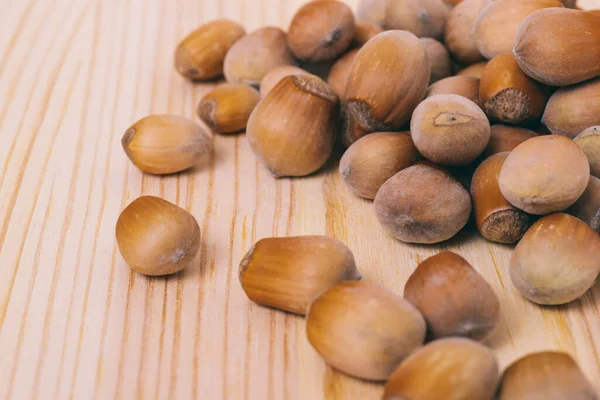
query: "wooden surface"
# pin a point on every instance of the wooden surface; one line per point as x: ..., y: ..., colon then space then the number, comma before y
x: 75, y: 322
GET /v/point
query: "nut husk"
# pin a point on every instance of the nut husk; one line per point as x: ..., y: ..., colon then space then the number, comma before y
x: 363, y: 329
x: 573, y: 109
x: 587, y: 208
x: 557, y: 260
x: 321, y: 30
x: 288, y: 273
x: 506, y: 138
x: 449, y: 129
x: 201, y: 54
x: 556, y: 56
x: 424, y: 18
x: 257, y: 53
x: 544, y: 174
x: 547, y: 375
x: 454, y: 299
x: 292, y: 130
x: 156, y: 237
x: 441, y: 65
x: 497, y: 220
x: 364, y: 31
x: 589, y: 142
x: 457, y: 34
x: 449, y: 369
x: 474, y: 70
x: 226, y: 108
x: 423, y: 204
x: 164, y: 144
x: 465, y: 86
x: 372, y: 11
x: 338, y: 75
x: 375, y: 158
x: 273, y: 77
x: 380, y: 94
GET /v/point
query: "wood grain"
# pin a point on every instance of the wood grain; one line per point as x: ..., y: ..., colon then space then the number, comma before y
x: 75, y: 322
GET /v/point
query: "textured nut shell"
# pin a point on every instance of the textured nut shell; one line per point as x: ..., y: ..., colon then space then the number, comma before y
x: 424, y: 18
x: 289, y: 272
x: 589, y: 142
x: 449, y: 369
x: 496, y: 27
x: 338, y: 75
x: 475, y: 70
x: 372, y: 11
x: 227, y: 108
x: 364, y: 31
x: 544, y: 174
x: 465, y: 86
x: 573, y: 109
x: 254, y: 55
x: 449, y: 129
x: 557, y: 56
x: 439, y: 58
x: 454, y: 299
x: 457, y: 34
x: 156, y: 237
x: 292, y: 130
x: 321, y: 30
x: 363, y: 329
x: 273, y: 77
x: 375, y: 158
x: 557, y: 260
x: 587, y: 208
x: 506, y: 138
x: 546, y: 375
x: 165, y: 144
x: 202, y: 53
x: 423, y: 204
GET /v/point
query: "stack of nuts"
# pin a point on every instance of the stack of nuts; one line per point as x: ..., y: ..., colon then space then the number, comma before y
x: 423, y: 93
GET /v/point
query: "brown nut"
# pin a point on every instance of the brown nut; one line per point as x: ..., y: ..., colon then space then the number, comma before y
x: 573, y: 109
x: 226, y: 108
x: 363, y: 329
x: 423, y: 204
x: 338, y: 75
x: 424, y: 18
x: 587, y: 208
x: 165, y: 144
x: 465, y: 86
x: 441, y: 65
x: 380, y: 95
x: 457, y: 34
x: 547, y: 375
x: 506, y: 138
x: 544, y: 174
x: 454, y: 299
x: 449, y: 369
x: 156, y: 237
x: 556, y: 56
x: 497, y: 220
x: 589, y: 142
x: 449, y: 129
x: 321, y: 30
x: 508, y: 95
x: 257, y: 53
x: 372, y: 11
x: 288, y: 273
x: 375, y: 158
x: 474, y: 70
x: 201, y: 54
x: 364, y: 31
x: 292, y: 130
x: 273, y: 77
x: 557, y: 260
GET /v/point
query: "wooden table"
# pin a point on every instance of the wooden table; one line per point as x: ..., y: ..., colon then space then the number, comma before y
x: 75, y: 322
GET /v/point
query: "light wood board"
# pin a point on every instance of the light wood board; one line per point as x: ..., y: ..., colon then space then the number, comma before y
x: 75, y: 322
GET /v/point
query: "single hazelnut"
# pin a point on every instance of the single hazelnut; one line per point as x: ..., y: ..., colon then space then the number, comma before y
x: 449, y: 129
x: 589, y: 142
x: 497, y: 220
x: 587, y: 208
x: 201, y: 54
x: 465, y: 86
x: 273, y: 77
x: 506, y: 138
x: 338, y: 75
x: 372, y: 11
x: 364, y: 31
x: 557, y: 260
x: 156, y: 237
x: 544, y: 174
x: 226, y: 108
x: 289, y: 272
x: 424, y: 18
x: 449, y: 369
x: 439, y: 58
x: 363, y: 329
x: 292, y: 130
x: 321, y: 30
x: 423, y: 204
x: 165, y: 144
x: 375, y: 158
x: 474, y: 70
x: 457, y: 34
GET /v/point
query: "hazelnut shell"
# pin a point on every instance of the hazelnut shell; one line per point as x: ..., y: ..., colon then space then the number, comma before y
x: 226, y: 108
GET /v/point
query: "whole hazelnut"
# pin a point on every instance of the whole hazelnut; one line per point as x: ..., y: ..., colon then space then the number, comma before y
x: 589, y: 142
x: 474, y: 70
x: 457, y: 34
x: 441, y: 65
x: 506, y: 138
x: 226, y: 108
x: 363, y: 32
x: 424, y: 18
x: 465, y: 86
x: 338, y: 75
x: 587, y: 208
x: 273, y: 77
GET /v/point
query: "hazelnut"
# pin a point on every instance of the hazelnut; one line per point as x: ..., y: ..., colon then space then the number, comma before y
x: 226, y: 108
x: 289, y: 272
x: 557, y: 260
x: 165, y: 144
x: 454, y: 299
x: 254, y: 55
x: 363, y: 329
x: 497, y: 220
x: 372, y: 11
x: 201, y: 54
x: 465, y: 86
x: 449, y: 369
x: 375, y: 158
x: 544, y: 174
x: 457, y: 34
x: 441, y: 65
x: 589, y: 142
x: 292, y: 130
x: 424, y: 18
x: 449, y: 129
x: 321, y: 30
x: 506, y: 138
x: 156, y: 237
x: 423, y: 204
x: 474, y: 70
x: 363, y: 32
x: 338, y: 75
x: 587, y: 208
x: 273, y: 77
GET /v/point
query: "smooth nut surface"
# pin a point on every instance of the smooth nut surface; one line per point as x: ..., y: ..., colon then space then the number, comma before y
x: 589, y: 142
x: 457, y: 34
x: 363, y: 32
x: 424, y: 18
x: 372, y: 11
x: 338, y: 75
x: 506, y: 138
x: 587, y: 208
x: 439, y: 58
x: 465, y: 86
x: 273, y: 77
x: 474, y: 70
x: 226, y: 108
